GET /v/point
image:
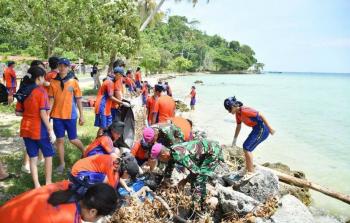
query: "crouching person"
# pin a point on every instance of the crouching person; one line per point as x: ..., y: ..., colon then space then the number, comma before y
x: 53, y: 203
x: 104, y: 144
x: 200, y: 157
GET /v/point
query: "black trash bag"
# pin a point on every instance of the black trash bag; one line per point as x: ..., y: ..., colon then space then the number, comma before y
x: 127, y: 139
x: 152, y: 180
x: 3, y: 94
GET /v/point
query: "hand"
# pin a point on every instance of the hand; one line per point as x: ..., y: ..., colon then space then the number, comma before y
x: 272, y: 131
x: 125, y: 104
x: 128, y: 189
x: 81, y: 120
x: 52, y: 137
x: 234, y: 142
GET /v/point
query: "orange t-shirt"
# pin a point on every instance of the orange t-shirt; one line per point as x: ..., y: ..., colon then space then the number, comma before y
x: 32, y: 207
x: 104, y: 142
x: 193, y: 93
x: 184, y: 125
x: 31, y: 124
x: 165, y: 107
x: 48, y: 77
x: 138, y: 152
x: 98, y: 164
x: 138, y: 76
x: 248, y: 116
x: 103, y: 103
x: 64, y: 105
x: 10, y: 77
x: 118, y: 87
x: 151, y: 101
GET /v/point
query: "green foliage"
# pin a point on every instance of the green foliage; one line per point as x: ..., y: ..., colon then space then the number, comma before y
x: 180, y: 64
x: 178, y: 39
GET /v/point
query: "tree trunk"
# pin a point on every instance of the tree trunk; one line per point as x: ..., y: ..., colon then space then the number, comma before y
x: 305, y: 183
x: 151, y: 16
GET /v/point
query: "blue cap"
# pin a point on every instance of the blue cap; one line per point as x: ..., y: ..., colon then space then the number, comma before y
x: 64, y: 61
x: 118, y: 70
x: 229, y: 102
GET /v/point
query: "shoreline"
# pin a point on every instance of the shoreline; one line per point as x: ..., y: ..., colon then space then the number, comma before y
x: 317, y: 210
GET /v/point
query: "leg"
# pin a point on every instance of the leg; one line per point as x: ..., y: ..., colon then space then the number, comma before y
x: 77, y: 143
x: 34, y: 170
x: 48, y: 170
x: 60, y: 150
x: 25, y: 166
x: 249, y: 161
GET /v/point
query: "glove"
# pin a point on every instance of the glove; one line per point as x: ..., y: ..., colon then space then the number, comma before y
x: 52, y: 137
x: 234, y: 142
x: 125, y: 104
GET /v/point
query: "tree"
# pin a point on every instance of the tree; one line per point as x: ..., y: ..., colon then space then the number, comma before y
x: 180, y: 64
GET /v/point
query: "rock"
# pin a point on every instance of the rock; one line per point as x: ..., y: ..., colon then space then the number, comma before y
x: 292, y: 210
x: 231, y: 201
x: 213, y: 203
x: 198, y: 82
x: 181, y: 106
x: 262, y: 186
x: 303, y: 194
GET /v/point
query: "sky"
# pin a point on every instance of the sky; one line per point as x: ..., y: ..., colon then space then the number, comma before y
x: 286, y: 35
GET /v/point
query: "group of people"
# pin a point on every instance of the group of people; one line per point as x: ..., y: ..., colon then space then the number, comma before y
x: 91, y: 191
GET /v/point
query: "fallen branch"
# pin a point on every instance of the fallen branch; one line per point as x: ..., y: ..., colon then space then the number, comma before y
x: 305, y: 183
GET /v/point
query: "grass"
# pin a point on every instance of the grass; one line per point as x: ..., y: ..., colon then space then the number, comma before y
x: 24, y: 182
x: 9, y: 130
x: 7, y: 109
x: 90, y: 92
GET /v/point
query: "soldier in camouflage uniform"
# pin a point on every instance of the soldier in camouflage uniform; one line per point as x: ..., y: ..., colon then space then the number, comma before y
x: 200, y: 157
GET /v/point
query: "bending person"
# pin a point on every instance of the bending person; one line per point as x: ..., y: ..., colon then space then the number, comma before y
x: 52, y: 203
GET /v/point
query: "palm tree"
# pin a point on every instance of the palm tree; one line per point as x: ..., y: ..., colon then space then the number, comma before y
x: 154, y: 12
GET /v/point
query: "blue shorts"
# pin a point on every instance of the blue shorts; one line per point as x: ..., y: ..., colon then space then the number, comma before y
x: 144, y: 100
x: 90, y: 177
x: 103, y: 121
x: 60, y: 126
x: 138, y: 84
x: 96, y: 151
x: 33, y: 146
x: 115, y: 114
x: 259, y: 133
x: 193, y: 102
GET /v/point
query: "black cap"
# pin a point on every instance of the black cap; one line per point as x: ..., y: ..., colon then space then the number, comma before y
x: 158, y: 87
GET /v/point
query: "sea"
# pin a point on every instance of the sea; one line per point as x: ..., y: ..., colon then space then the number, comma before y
x: 309, y: 111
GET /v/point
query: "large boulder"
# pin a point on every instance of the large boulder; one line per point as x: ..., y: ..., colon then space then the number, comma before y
x: 303, y: 194
x: 292, y: 210
x: 261, y: 187
x: 231, y: 201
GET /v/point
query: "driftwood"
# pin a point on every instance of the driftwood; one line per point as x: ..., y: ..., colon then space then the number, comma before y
x: 308, y: 184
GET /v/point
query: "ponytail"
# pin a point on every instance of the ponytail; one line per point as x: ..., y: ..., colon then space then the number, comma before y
x: 61, y: 197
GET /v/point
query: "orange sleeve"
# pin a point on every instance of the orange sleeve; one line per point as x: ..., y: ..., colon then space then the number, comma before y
x: 51, y: 91
x: 110, y: 88
x: 13, y: 73
x: 238, y: 119
x: 77, y: 91
x: 44, y: 101
x: 135, y: 148
x: 156, y: 107
x: 19, y: 107
x: 107, y: 144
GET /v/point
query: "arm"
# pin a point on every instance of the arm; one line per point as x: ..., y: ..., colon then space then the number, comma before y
x: 272, y: 131
x: 45, y: 118
x: 123, y: 184
x: 238, y: 130
x: 80, y: 108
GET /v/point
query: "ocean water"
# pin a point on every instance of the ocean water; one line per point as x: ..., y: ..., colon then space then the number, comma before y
x: 309, y: 111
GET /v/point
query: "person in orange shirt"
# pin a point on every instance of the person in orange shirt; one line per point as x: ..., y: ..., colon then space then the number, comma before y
x: 65, y: 99
x: 102, y: 168
x: 129, y: 83
x: 104, y: 100
x: 118, y: 93
x: 144, y: 92
x: 56, y: 203
x: 151, y: 101
x: 104, y: 144
x: 164, y: 109
x: 185, y: 125
x: 138, y: 77
x: 53, y: 64
x: 33, y: 105
x: 193, y: 97
x: 10, y: 80
x: 260, y: 130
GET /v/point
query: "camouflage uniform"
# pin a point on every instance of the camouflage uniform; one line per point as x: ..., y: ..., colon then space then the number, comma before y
x: 200, y: 157
x: 169, y: 134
